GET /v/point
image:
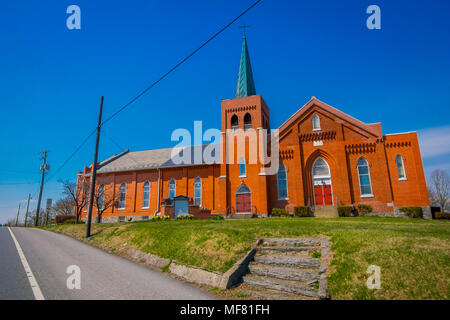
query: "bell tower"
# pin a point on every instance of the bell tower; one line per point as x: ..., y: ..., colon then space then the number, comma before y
x: 242, y: 187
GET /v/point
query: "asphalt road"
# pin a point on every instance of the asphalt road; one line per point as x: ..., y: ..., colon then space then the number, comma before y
x: 102, y: 275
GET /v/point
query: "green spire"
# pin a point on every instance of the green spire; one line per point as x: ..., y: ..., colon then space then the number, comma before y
x: 245, y: 83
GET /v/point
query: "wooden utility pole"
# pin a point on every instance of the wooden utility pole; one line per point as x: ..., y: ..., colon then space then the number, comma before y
x: 94, y: 172
x: 26, y: 212
x: 43, y: 168
x: 17, y: 217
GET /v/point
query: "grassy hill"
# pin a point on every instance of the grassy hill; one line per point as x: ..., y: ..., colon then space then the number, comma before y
x: 414, y: 255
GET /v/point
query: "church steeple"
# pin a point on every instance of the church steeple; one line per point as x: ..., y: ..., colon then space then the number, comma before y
x: 245, y: 83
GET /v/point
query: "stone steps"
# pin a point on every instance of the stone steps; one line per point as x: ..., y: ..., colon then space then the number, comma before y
x: 289, y: 249
x: 288, y: 261
x: 284, y: 273
x: 325, y: 212
x: 281, y: 285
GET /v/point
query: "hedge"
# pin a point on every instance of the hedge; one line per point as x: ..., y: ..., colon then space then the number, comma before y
x: 364, y: 208
x: 412, y: 212
x: 301, y: 211
x: 345, y: 211
x: 217, y: 217
x: 277, y: 212
x: 62, y: 218
x: 442, y: 215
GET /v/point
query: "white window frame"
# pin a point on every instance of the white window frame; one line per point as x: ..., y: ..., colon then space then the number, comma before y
x: 359, y: 180
x: 201, y: 193
x: 174, y: 188
x: 278, y: 185
x: 313, y: 122
x: 125, y: 196
x: 242, y: 162
x: 403, y: 166
x: 143, y: 195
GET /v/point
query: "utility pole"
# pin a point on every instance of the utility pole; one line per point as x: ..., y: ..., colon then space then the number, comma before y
x: 94, y: 172
x: 26, y: 213
x: 43, y: 168
x: 17, y: 217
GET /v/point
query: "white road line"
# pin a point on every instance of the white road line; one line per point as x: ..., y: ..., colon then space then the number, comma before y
x: 33, y: 283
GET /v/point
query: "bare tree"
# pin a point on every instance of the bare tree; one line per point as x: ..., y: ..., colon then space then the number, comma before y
x: 78, y: 194
x: 64, y: 206
x: 439, y: 189
x: 103, y: 200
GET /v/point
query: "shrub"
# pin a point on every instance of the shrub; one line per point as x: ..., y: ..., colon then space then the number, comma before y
x: 156, y: 218
x: 412, y: 212
x: 189, y: 216
x: 302, y: 211
x: 442, y: 215
x: 345, y: 211
x: 364, y: 208
x: 277, y: 212
x: 165, y: 218
x: 62, y: 218
x: 217, y: 217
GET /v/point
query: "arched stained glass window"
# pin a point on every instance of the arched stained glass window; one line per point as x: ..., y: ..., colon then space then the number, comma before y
x: 122, y: 195
x: 400, y: 167
x: 146, y: 195
x: 234, y: 122
x: 364, y: 177
x: 282, y: 182
x: 320, y: 168
x: 172, y: 188
x: 316, y: 122
x: 198, y: 192
x: 247, y: 121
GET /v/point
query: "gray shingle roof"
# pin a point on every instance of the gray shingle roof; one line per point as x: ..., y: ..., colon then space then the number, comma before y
x: 150, y: 159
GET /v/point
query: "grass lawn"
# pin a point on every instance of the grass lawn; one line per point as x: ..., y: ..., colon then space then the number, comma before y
x: 414, y: 255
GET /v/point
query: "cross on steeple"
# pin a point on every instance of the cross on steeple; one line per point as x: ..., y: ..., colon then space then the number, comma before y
x: 244, y: 26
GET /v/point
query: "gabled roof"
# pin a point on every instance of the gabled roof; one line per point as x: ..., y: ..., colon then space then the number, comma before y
x: 370, y: 128
x: 150, y: 159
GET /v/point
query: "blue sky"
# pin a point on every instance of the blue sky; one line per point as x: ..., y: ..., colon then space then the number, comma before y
x: 52, y: 78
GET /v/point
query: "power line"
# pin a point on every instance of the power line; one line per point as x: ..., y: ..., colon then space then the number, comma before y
x: 179, y: 63
x: 151, y: 86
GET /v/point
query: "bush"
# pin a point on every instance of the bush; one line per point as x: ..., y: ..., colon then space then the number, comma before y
x: 345, y: 211
x: 217, y: 217
x: 73, y: 221
x: 364, y: 208
x: 189, y: 217
x: 62, y: 218
x: 412, y: 212
x: 277, y: 212
x: 156, y: 218
x: 302, y: 211
x: 442, y: 215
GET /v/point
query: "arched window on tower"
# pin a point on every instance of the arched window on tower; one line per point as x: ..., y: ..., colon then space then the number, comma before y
x: 365, y: 184
x: 400, y: 168
x: 282, y: 183
x: 234, y: 122
x: 146, y: 195
x: 247, y: 121
x: 172, y: 188
x: 242, y: 169
x: 122, y: 195
x: 198, y: 192
x: 316, y: 123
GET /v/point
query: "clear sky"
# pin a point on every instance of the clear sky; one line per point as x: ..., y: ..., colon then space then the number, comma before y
x: 51, y: 78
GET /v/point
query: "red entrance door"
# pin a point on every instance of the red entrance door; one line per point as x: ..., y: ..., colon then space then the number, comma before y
x: 323, y: 195
x: 243, y: 202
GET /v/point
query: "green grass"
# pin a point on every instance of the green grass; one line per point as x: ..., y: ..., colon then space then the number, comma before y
x: 413, y: 254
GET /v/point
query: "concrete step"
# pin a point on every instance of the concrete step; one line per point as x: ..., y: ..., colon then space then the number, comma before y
x: 289, y: 249
x: 246, y: 215
x: 284, y: 273
x: 280, y: 285
x: 297, y: 242
x: 267, y: 295
x: 325, y: 212
x: 288, y: 261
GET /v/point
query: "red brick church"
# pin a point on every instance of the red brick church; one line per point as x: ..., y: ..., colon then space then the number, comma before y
x: 326, y: 159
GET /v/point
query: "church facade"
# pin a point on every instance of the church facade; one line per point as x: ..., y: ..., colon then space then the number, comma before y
x: 326, y: 159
